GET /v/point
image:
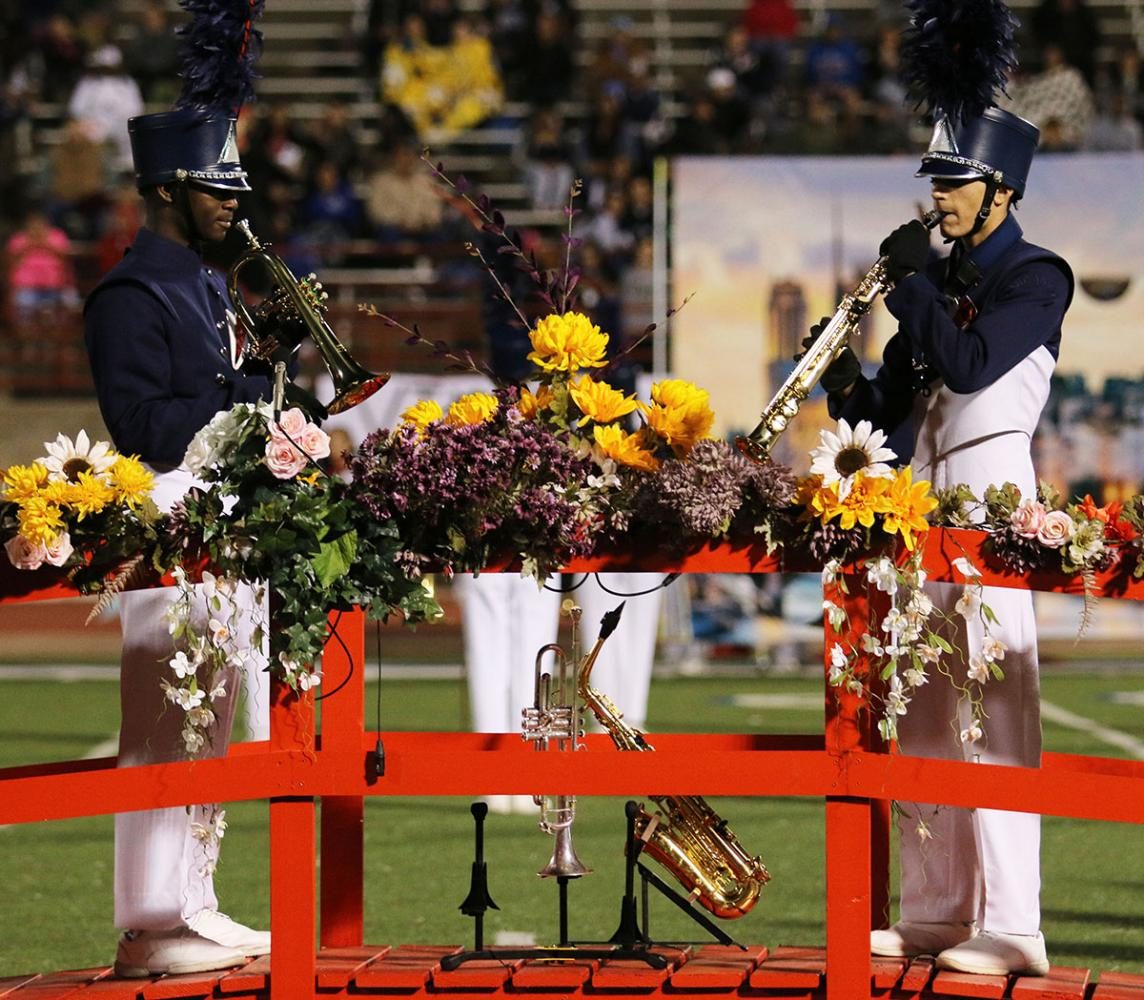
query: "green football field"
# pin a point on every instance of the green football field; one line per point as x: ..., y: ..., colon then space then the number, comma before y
x: 57, y: 900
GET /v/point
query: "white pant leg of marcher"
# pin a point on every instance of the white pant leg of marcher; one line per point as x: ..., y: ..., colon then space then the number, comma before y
x: 981, y: 864
x: 162, y: 872
x: 505, y: 620
x: 623, y: 669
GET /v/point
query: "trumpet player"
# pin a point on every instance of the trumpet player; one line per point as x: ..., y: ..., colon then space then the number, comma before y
x: 165, y: 358
x: 963, y: 382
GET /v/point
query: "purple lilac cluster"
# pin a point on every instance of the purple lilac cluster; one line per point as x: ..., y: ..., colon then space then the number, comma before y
x: 464, y: 495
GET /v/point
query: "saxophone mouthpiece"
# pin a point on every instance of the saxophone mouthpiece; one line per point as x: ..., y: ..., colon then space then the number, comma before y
x: 610, y: 620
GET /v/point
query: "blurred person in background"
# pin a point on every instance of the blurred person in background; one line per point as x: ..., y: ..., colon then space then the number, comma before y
x: 103, y: 99
x: 39, y: 267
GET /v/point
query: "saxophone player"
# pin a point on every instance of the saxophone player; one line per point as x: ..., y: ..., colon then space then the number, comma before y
x: 962, y: 384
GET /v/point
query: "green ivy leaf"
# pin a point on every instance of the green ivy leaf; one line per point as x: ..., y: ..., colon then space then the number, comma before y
x: 335, y: 558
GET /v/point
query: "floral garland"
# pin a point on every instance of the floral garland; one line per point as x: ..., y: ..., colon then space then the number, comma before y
x: 82, y: 506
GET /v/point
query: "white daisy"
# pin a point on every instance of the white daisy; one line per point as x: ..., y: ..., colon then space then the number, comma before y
x: 839, y: 457
x: 66, y: 458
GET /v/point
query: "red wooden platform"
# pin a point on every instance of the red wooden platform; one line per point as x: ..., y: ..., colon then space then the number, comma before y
x: 710, y: 972
x: 846, y: 767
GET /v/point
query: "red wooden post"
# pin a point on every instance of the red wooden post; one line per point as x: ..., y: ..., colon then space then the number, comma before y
x: 293, y: 964
x: 848, y: 869
x: 343, y: 816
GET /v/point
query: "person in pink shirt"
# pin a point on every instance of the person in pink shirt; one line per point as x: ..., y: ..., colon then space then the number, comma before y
x: 40, y: 274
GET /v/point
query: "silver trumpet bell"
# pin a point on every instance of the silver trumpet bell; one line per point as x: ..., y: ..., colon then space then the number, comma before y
x: 553, y: 718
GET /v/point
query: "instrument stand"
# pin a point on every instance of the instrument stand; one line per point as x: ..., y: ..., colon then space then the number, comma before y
x: 479, y: 900
x: 629, y: 932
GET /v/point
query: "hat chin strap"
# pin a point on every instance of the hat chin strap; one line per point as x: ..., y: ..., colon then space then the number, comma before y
x: 183, y: 207
x: 993, y: 182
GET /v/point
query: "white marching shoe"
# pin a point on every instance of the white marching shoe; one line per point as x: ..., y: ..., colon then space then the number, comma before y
x: 154, y: 953
x: 221, y: 929
x: 908, y: 938
x: 992, y: 953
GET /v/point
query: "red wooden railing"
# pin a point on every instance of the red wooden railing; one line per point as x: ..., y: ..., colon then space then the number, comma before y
x: 844, y: 766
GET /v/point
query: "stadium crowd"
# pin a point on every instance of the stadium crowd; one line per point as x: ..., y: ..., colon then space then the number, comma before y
x: 779, y: 81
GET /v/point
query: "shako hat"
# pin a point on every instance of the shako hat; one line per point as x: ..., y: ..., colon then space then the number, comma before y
x: 956, y: 55
x: 994, y: 144
x: 197, y: 140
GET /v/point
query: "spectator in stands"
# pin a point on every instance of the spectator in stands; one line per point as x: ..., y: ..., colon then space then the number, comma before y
x: 772, y: 28
x: 474, y: 90
x: 510, y: 32
x: 695, y: 133
x: 441, y: 18
x: 604, y: 136
x: 644, y: 122
x: 104, y: 99
x: 835, y: 65
x: 1056, y: 99
x: 1073, y: 27
x: 754, y: 76
x: 636, y: 282
x: 332, y: 137
x: 60, y: 52
x: 152, y: 54
x: 401, y: 199
x: 605, y: 230
x: 887, y: 99
x: 732, y: 114
x: 40, y: 275
x: 639, y: 212
x: 277, y: 146
x: 547, y: 167
x: 1125, y: 77
x: 331, y: 214
x: 121, y: 222
x: 547, y: 69
x: 79, y: 175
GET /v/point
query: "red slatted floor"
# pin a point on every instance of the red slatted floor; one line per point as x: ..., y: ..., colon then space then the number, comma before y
x: 705, y: 971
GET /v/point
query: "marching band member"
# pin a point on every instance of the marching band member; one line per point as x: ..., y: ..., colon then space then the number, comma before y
x: 969, y: 368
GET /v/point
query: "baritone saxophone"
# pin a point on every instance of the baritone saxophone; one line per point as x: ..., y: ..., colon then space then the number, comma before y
x: 783, y: 408
x: 685, y: 835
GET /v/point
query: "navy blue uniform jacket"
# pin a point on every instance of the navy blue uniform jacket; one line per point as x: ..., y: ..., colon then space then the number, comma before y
x: 1020, y: 301
x: 157, y: 340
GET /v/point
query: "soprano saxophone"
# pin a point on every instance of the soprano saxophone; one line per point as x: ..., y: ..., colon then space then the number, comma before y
x: 783, y: 408
x: 686, y: 835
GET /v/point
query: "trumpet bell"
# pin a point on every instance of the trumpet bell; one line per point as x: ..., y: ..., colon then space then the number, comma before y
x: 564, y: 863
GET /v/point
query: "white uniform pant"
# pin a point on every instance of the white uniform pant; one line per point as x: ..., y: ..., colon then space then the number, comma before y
x: 623, y: 669
x: 506, y: 620
x: 981, y: 864
x: 162, y: 871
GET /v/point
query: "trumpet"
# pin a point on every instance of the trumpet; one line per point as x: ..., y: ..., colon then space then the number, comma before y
x: 554, y: 719
x: 783, y: 408
x: 293, y: 309
x: 686, y: 835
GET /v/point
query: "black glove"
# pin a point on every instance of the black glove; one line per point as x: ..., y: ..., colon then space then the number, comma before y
x: 843, y: 371
x: 907, y: 249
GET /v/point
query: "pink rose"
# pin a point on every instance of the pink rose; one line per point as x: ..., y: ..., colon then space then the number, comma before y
x: 1056, y: 529
x: 1027, y: 519
x: 314, y: 441
x: 291, y: 423
x: 283, y: 459
x: 24, y: 554
x: 59, y: 551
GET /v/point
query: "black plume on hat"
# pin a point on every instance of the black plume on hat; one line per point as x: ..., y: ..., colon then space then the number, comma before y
x: 220, y: 47
x: 957, y: 54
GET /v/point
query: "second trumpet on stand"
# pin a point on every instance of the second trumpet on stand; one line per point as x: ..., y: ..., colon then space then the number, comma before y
x: 554, y: 719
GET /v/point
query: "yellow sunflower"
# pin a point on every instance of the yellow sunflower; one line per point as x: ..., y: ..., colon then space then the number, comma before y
x: 88, y: 494
x: 865, y: 499
x: 40, y: 522
x: 131, y: 481
x: 472, y: 408
x: 906, y: 505
x: 567, y: 343
x: 680, y: 413
x: 531, y: 403
x: 422, y: 414
x: 624, y: 448
x: 23, y: 481
x: 598, y: 401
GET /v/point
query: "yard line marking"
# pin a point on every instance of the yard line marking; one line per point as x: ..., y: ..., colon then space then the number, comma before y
x: 809, y: 702
x: 1113, y: 737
